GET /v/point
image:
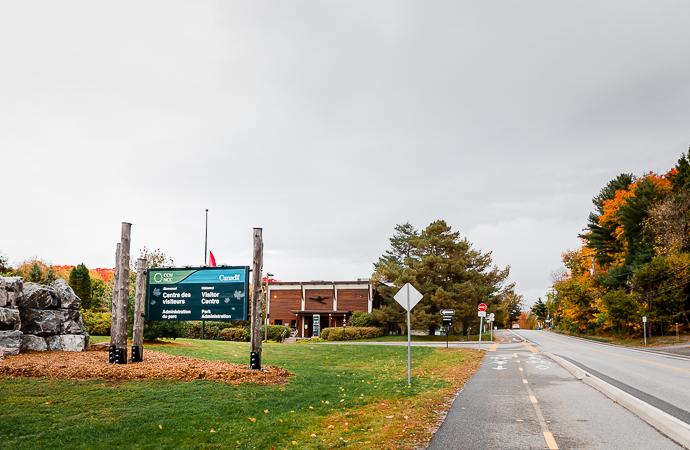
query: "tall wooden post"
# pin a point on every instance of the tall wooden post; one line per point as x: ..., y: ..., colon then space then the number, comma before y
x: 122, y: 296
x: 257, y: 267
x: 113, y: 308
x: 138, y: 328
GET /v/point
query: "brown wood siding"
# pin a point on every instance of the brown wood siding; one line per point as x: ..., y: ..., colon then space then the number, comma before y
x: 353, y: 300
x: 324, y: 305
x: 282, y: 305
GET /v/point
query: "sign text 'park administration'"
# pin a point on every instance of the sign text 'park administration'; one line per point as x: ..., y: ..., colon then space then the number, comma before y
x: 203, y: 293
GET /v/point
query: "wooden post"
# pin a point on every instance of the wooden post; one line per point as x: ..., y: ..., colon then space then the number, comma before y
x: 122, y: 296
x: 113, y: 308
x: 139, y: 298
x: 257, y: 267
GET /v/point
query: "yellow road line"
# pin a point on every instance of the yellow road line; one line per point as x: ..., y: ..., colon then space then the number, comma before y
x: 550, y: 441
x: 548, y: 436
x: 530, y: 347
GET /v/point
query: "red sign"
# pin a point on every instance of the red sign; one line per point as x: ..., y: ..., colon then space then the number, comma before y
x: 482, y: 307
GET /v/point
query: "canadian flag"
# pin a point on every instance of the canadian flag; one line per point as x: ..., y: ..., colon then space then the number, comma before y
x: 211, y: 259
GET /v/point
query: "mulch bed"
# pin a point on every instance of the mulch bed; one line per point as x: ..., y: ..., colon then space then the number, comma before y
x: 93, y: 365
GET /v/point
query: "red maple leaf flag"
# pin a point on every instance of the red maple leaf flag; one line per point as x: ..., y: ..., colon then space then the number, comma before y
x: 212, y: 259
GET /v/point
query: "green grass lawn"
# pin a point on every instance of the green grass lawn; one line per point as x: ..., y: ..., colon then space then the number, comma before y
x: 339, y: 396
x: 452, y: 337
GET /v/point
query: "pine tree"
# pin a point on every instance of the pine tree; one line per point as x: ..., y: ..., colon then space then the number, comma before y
x: 80, y: 281
x: 445, y: 268
x: 539, y: 309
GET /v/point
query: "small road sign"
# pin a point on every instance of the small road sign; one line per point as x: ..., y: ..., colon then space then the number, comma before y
x: 408, y: 297
x: 644, y: 318
x: 481, y: 314
x: 491, y: 317
x: 447, y: 312
x: 482, y: 307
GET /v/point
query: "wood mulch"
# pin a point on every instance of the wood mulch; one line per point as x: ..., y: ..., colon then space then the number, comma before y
x: 93, y: 365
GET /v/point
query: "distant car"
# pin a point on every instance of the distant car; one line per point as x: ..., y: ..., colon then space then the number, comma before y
x: 515, y: 326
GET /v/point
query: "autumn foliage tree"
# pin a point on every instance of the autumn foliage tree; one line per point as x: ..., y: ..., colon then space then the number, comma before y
x: 635, y: 257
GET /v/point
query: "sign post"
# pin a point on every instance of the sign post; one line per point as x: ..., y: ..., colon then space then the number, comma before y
x: 447, y: 318
x: 481, y: 313
x: 490, y: 319
x: 408, y: 297
x: 644, y: 326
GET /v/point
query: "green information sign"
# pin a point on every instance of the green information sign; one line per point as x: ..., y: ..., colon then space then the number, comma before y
x: 197, y: 293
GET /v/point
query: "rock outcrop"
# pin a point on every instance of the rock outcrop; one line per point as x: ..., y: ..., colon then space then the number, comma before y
x: 36, y: 317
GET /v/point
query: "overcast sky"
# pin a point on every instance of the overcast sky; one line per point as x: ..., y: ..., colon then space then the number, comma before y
x: 328, y: 122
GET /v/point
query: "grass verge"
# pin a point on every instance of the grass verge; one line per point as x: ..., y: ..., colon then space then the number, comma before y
x: 339, y: 397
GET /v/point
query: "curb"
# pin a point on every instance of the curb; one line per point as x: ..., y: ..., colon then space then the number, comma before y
x: 636, y: 349
x: 665, y: 423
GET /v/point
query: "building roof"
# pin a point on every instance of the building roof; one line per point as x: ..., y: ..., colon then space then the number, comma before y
x: 319, y: 282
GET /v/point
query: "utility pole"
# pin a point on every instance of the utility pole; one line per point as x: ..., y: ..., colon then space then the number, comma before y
x: 257, y: 266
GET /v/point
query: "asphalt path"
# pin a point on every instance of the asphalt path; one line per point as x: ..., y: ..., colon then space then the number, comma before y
x: 658, y: 379
x: 520, y: 399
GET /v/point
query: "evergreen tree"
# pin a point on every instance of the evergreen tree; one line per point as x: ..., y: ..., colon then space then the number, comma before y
x: 600, y: 237
x: 35, y: 273
x: 80, y: 282
x: 539, y: 309
x: 445, y: 268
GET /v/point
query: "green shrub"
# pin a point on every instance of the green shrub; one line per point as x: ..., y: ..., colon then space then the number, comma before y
x: 351, y: 333
x: 276, y: 332
x: 361, y: 319
x: 163, y: 329
x: 97, y: 323
x: 212, y: 330
x: 234, y: 334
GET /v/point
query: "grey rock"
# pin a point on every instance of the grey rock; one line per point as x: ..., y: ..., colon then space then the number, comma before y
x: 9, y: 319
x: 39, y: 296
x: 67, y: 342
x: 33, y: 343
x: 3, y: 292
x: 10, y: 342
x: 41, y: 322
x: 14, y: 288
x: 66, y: 296
x: 71, y: 322
x: 14, y: 284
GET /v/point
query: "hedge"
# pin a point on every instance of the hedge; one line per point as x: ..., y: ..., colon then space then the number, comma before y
x: 97, y: 323
x: 234, y: 334
x: 351, y: 333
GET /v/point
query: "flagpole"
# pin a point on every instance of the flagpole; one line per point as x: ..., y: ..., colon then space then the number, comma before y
x: 203, y: 322
x: 206, y: 238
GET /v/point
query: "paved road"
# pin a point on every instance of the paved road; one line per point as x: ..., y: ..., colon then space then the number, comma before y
x: 663, y: 381
x: 520, y: 399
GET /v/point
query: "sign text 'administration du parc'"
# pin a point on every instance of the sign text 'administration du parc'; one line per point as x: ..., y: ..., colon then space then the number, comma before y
x: 197, y: 293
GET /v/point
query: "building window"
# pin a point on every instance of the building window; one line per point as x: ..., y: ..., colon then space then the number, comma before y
x: 278, y: 322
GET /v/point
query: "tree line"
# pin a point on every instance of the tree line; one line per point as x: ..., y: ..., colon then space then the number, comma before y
x: 634, y: 259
